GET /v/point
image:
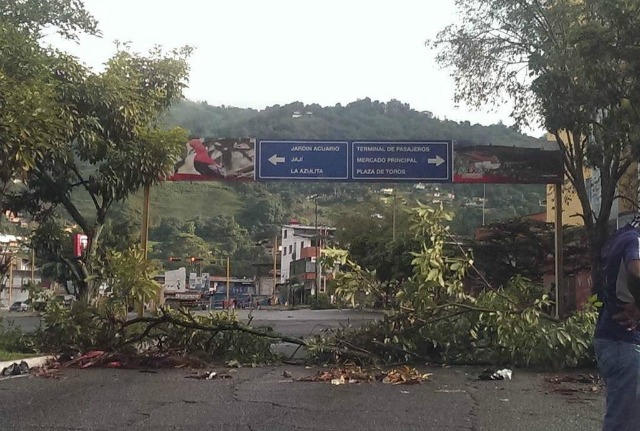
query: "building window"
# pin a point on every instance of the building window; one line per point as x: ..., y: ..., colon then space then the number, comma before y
x: 290, y: 249
x: 284, y: 251
x: 285, y: 233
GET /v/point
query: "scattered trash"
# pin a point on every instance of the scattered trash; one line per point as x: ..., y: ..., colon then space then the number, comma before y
x: 16, y: 369
x: 234, y: 363
x: 568, y: 384
x: 504, y: 374
x: 87, y: 360
x: 405, y: 376
x: 504, y: 400
x: 47, y: 373
x: 352, y: 374
x: 339, y: 381
x: 208, y: 375
x: 451, y: 391
x: 286, y: 374
x: 404, y: 392
x: 145, y: 363
x: 588, y: 379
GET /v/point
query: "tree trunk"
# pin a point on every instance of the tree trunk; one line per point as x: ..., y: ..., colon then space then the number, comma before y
x: 597, y: 240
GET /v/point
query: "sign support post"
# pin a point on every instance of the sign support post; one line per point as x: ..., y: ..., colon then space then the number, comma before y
x: 144, y: 235
x: 559, y: 265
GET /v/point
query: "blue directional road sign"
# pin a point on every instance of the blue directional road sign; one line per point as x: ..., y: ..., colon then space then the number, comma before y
x: 303, y: 160
x: 401, y: 161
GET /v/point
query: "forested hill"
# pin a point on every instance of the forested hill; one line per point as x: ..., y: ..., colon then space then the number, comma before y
x: 363, y: 119
x: 229, y: 217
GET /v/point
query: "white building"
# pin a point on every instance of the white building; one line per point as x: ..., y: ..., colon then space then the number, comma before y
x: 295, y: 237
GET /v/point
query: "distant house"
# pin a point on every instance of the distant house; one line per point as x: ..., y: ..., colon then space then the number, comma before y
x: 301, y: 246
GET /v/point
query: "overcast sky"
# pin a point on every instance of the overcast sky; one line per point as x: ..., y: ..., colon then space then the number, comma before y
x: 257, y: 53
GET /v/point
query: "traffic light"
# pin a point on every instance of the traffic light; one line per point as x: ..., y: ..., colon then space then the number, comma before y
x: 175, y: 259
x: 194, y: 259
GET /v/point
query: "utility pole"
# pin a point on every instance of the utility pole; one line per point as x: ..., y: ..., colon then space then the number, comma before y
x: 33, y: 264
x: 144, y: 239
x: 275, y: 268
x: 10, y: 278
x: 228, y: 286
x: 317, y: 287
x: 484, y: 199
x: 393, y: 217
x: 559, y: 255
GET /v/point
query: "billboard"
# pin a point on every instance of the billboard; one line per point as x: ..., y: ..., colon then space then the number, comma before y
x: 206, y: 159
x: 512, y: 165
x: 176, y: 280
x: 216, y: 159
x: 198, y: 282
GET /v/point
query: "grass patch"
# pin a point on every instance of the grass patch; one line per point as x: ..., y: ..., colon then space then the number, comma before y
x: 15, y: 356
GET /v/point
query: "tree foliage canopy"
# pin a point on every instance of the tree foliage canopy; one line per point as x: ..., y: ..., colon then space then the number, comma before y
x: 573, y: 66
x: 65, y: 127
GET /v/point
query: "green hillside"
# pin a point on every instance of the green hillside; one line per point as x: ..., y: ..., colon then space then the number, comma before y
x: 230, y: 218
x: 362, y: 119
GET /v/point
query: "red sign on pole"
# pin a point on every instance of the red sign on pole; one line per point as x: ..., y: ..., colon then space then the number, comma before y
x: 80, y: 244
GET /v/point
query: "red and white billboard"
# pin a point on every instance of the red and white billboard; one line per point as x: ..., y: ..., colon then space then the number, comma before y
x: 216, y: 159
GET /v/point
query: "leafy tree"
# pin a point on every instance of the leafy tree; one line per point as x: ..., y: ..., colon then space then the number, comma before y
x: 30, y: 120
x: 367, y: 231
x: 184, y: 246
x: 574, y: 64
x: 263, y: 215
x: 437, y: 318
x: 168, y: 227
x: 122, y: 229
x: 100, y: 133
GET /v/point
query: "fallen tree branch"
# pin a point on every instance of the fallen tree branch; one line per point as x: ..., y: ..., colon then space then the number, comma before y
x: 193, y: 324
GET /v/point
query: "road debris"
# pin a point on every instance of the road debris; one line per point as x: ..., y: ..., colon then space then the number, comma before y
x: 352, y: 374
x: 570, y: 384
x: 208, y: 375
x: 504, y: 374
x: 99, y: 358
x: 16, y: 369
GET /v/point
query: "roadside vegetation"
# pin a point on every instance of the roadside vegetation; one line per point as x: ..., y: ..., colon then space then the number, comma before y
x: 433, y: 317
x: 79, y: 146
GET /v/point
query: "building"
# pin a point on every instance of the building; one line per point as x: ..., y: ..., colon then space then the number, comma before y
x: 20, y: 271
x: 577, y: 275
x: 301, y: 246
x: 621, y: 210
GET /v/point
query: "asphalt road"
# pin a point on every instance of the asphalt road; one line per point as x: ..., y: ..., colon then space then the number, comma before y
x: 294, y: 323
x: 264, y: 399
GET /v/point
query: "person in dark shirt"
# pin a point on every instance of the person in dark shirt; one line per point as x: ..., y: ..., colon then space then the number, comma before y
x: 617, y: 338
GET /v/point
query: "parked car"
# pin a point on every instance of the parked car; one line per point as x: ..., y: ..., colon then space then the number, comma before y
x: 19, y: 306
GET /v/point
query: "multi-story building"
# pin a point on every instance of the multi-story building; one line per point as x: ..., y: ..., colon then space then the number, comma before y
x: 577, y: 281
x: 301, y: 245
x: 20, y: 271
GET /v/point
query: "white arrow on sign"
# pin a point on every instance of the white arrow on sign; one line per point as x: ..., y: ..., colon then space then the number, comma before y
x: 436, y: 161
x: 275, y: 159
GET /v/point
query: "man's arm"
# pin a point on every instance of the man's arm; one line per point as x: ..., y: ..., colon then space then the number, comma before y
x: 633, y: 282
x: 629, y: 317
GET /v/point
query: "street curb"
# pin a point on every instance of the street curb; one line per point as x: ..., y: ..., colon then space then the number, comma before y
x: 32, y: 362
